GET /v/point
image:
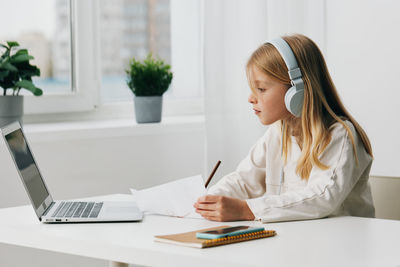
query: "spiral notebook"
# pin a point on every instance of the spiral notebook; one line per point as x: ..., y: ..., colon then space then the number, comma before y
x: 189, y: 238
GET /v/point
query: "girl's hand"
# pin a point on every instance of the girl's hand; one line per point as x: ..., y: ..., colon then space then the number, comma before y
x: 221, y: 208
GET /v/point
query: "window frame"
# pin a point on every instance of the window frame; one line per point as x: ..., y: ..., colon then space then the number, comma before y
x: 84, y: 100
x: 84, y: 73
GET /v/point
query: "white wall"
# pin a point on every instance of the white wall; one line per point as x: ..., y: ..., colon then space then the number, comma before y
x: 229, y: 39
x: 362, y: 49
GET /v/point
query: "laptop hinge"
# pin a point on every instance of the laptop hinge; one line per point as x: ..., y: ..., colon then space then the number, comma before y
x: 48, y: 208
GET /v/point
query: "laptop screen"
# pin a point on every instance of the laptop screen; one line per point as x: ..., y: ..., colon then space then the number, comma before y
x: 27, y: 167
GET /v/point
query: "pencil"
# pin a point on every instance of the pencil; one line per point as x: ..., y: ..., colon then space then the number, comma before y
x: 212, y: 173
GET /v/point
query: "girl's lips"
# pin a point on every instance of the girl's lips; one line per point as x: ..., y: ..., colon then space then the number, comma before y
x: 256, y: 111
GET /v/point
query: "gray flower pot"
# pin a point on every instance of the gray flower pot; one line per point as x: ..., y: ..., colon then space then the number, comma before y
x: 11, y: 109
x: 148, y: 108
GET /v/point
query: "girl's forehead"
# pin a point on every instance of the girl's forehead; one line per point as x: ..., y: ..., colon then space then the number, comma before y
x: 258, y: 77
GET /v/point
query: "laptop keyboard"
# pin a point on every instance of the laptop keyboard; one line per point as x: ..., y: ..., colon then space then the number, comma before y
x: 78, y: 210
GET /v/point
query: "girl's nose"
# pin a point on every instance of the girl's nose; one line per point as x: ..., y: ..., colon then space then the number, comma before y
x: 252, y: 99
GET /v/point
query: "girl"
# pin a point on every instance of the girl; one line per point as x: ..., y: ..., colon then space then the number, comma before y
x: 314, y: 159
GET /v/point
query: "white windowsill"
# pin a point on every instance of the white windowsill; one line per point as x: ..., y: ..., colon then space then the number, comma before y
x: 49, y: 132
x: 120, y: 110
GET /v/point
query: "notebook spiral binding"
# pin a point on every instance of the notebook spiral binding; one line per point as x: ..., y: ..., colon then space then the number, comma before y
x: 238, y: 238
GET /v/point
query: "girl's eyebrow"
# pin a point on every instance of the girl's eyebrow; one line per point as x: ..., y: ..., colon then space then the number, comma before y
x: 258, y: 82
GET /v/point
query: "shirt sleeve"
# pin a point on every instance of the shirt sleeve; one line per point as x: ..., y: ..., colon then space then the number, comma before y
x: 326, y: 189
x: 248, y: 180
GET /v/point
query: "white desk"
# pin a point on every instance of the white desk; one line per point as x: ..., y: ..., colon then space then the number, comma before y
x: 341, y: 241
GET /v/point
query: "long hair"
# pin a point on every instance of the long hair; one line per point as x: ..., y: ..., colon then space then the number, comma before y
x: 322, y: 105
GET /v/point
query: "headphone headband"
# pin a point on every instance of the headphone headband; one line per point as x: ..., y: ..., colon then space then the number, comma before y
x: 288, y: 56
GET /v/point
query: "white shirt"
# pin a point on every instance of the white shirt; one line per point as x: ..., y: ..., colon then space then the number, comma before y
x: 343, y: 189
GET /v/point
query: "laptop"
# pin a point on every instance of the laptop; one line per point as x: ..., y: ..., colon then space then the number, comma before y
x: 50, y: 211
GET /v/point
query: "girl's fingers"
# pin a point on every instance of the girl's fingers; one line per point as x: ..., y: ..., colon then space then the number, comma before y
x: 207, y: 206
x: 208, y: 199
x: 210, y: 215
x: 207, y: 213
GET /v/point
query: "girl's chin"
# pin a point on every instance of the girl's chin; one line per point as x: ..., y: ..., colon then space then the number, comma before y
x: 265, y: 121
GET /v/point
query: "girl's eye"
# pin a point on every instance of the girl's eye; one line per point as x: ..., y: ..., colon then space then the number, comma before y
x: 261, y: 90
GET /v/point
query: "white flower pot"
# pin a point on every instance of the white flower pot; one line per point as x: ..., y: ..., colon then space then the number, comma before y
x: 11, y: 109
x: 148, y: 109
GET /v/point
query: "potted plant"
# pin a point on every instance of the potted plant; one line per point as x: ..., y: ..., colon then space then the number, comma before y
x: 148, y: 80
x: 15, y: 74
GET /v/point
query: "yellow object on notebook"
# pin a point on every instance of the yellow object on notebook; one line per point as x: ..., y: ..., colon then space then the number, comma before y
x: 189, y: 238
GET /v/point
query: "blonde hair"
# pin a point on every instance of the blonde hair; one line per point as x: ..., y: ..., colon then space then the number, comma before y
x: 322, y: 105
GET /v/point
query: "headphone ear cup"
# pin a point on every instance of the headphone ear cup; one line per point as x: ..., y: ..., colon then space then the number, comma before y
x: 294, y: 101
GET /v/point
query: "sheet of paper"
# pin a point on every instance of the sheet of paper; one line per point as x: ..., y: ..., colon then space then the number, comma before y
x: 173, y: 199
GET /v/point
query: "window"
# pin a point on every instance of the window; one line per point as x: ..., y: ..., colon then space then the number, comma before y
x: 130, y: 28
x: 43, y: 28
x: 90, y: 43
x: 169, y: 29
x: 62, y: 50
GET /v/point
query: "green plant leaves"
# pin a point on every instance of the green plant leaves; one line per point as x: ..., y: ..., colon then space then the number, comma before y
x: 29, y: 86
x: 20, y: 58
x: 8, y: 66
x: 3, y: 74
x: 26, y: 70
x: 16, y: 72
x: 150, y: 78
x: 21, y: 52
x: 12, y: 43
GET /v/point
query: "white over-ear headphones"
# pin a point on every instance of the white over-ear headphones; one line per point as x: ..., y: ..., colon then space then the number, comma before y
x: 294, y: 97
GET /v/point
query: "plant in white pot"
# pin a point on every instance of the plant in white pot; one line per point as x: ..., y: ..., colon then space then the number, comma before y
x: 15, y: 74
x: 148, y: 80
